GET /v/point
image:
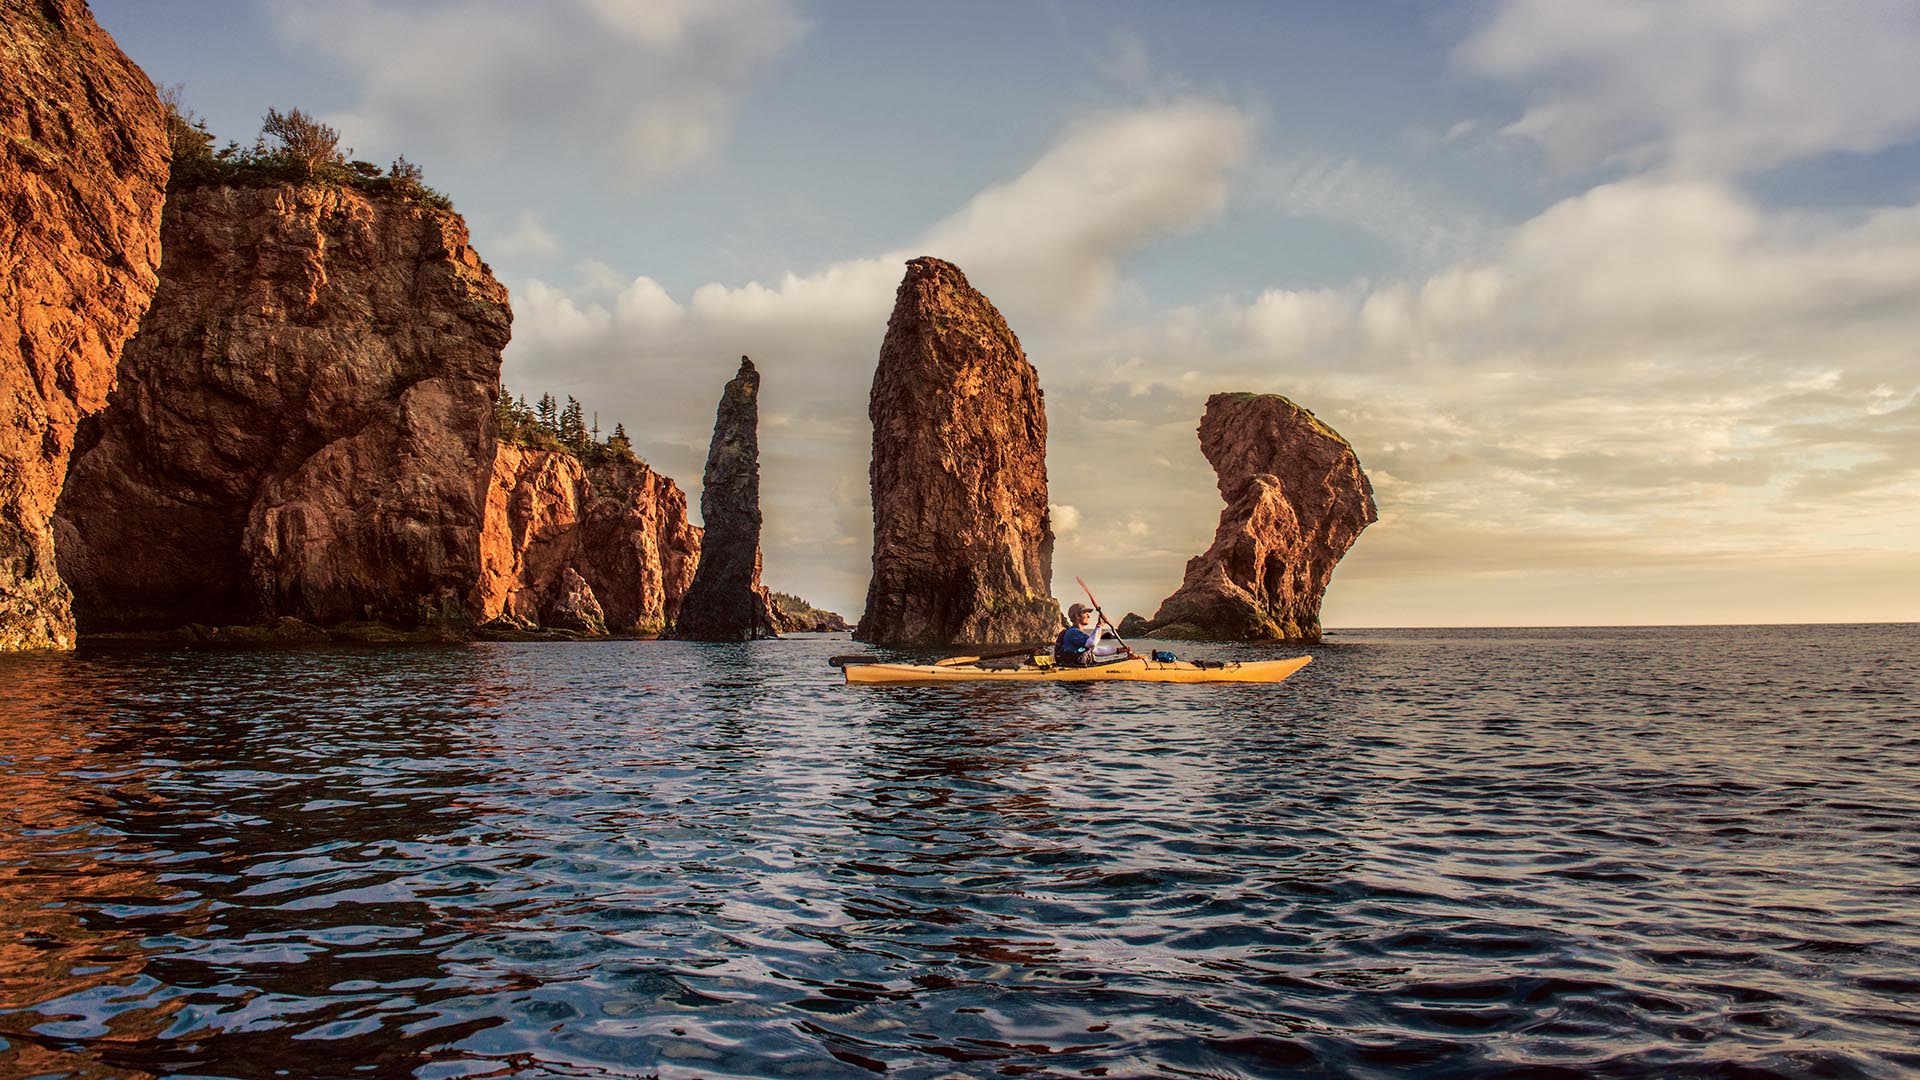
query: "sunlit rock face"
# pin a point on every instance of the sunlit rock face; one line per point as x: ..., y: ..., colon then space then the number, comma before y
x: 618, y: 526
x: 1296, y: 501
x: 962, y: 545
x: 83, y: 172
x: 303, y: 424
x: 727, y: 602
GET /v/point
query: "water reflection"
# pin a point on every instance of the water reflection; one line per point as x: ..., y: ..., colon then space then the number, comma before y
x: 661, y: 857
x: 229, y: 849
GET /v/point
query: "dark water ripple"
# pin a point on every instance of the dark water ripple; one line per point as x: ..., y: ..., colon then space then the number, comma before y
x: 1595, y: 852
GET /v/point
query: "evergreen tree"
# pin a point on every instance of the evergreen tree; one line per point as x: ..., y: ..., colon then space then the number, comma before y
x: 573, y: 426
x: 548, y: 414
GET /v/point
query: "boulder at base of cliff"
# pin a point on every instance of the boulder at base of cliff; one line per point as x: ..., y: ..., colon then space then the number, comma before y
x: 304, y: 422
x: 618, y: 524
x: 962, y: 544
x: 83, y: 172
x: 727, y: 602
x: 1296, y: 501
x: 575, y: 608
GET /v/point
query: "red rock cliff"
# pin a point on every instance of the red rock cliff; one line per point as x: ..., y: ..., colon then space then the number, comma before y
x: 83, y: 170
x: 1296, y: 501
x: 303, y: 425
x: 726, y: 601
x: 620, y: 526
x: 962, y: 547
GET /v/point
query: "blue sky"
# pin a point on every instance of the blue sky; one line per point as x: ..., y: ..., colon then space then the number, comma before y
x: 1615, y: 302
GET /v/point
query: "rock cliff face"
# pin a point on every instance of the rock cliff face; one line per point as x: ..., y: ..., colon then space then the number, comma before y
x: 726, y: 601
x: 83, y: 171
x: 303, y: 425
x: 962, y: 546
x: 1296, y: 501
x: 618, y: 527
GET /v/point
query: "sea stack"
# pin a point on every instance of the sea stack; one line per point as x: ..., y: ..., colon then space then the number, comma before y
x: 83, y: 173
x: 617, y: 525
x: 726, y: 601
x: 1296, y: 501
x: 304, y: 423
x: 962, y: 546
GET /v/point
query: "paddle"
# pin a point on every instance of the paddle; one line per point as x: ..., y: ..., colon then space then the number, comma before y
x: 1025, y: 650
x: 1103, y: 615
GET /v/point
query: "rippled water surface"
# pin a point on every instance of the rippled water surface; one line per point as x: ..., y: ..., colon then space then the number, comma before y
x: 1621, y: 851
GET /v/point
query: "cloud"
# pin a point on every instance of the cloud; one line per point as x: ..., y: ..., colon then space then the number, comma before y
x: 655, y: 82
x: 1422, y: 226
x: 1641, y: 373
x: 529, y: 241
x: 1709, y: 87
x: 1053, y: 236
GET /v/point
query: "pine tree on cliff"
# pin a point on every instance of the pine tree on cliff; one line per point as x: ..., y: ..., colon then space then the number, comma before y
x: 547, y: 414
x: 573, y: 427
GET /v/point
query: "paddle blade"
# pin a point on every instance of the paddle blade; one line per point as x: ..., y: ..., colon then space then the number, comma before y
x: 847, y: 659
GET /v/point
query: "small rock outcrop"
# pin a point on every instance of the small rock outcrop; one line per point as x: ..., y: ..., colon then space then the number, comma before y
x: 83, y: 172
x: 962, y: 544
x: 1296, y: 501
x: 304, y: 422
x: 726, y: 601
x: 799, y: 617
x: 617, y: 525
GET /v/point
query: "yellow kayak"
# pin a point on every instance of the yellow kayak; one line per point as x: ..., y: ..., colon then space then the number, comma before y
x: 1134, y: 669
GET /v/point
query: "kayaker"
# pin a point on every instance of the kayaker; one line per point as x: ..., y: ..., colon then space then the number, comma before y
x: 1079, y: 643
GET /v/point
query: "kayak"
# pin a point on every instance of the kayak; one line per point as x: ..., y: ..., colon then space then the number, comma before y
x: 1133, y: 669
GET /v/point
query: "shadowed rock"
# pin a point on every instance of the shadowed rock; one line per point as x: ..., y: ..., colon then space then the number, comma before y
x: 726, y: 601
x: 83, y: 172
x: 1296, y: 501
x: 303, y: 425
x: 962, y: 545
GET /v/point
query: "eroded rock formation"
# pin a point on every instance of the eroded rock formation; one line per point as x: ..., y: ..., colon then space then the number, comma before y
x: 1296, y: 501
x: 619, y: 526
x: 726, y: 601
x: 83, y: 171
x: 303, y: 425
x: 962, y: 546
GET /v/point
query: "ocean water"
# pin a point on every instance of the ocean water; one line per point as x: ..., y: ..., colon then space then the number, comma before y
x: 1627, y: 852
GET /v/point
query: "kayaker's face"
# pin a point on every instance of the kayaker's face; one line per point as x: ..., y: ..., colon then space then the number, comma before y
x: 1086, y: 620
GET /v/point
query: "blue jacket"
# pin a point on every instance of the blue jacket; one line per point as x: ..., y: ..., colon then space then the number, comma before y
x: 1071, y: 646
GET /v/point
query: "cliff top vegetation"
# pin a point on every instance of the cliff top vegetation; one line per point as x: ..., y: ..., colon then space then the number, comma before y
x: 292, y: 147
x: 548, y: 425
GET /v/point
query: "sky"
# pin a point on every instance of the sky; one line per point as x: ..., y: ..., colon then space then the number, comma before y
x: 1618, y: 304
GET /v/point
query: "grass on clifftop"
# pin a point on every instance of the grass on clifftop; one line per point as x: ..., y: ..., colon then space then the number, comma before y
x: 292, y: 147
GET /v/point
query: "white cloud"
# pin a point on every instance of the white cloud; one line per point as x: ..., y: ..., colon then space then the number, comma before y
x: 655, y: 83
x: 1421, y: 225
x: 1053, y: 236
x: 1708, y: 86
x: 529, y: 240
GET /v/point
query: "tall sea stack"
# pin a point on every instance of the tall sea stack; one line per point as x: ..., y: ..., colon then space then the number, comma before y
x: 83, y: 172
x: 1296, y: 501
x: 727, y: 601
x: 962, y: 546
x: 304, y: 422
